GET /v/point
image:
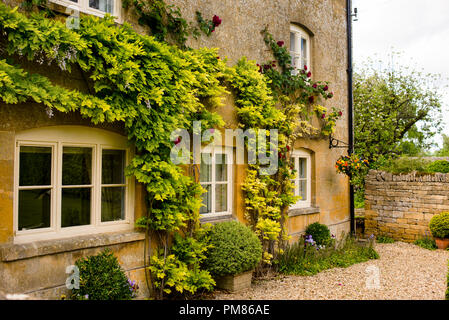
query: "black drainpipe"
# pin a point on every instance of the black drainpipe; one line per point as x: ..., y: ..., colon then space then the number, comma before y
x: 350, y: 108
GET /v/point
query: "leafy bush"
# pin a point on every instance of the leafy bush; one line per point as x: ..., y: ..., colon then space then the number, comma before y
x: 102, y: 278
x: 319, y: 232
x: 303, y: 258
x: 426, y: 243
x: 439, y: 166
x: 236, y: 249
x: 439, y: 225
x: 384, y: 239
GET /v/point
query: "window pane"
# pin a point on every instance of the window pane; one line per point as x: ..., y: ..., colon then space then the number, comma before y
x: 292, y: 42
x: 303, y: 190
x: 207, y: 208
x: 75, y: 207
x: 35, y: 166
x: 113, y: 167
x: 221, y: 168
x: 302, y: 170
x: 221, y: 198
x: 76, y: 166
x: 34, y: 209
x: 303, y: 52
x: 102, y: 5
x: 205, y: 169
x: 112, y: 203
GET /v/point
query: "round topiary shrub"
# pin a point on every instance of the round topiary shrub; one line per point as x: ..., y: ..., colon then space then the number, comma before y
x: 439, y: 225
x: 102, y: 278
x: 236, y: 249
x: 320, y: 233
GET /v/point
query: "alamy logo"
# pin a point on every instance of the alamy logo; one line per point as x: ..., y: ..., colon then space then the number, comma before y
x: 73, y: 280
x: 261, y: 146
x: 373, y: 277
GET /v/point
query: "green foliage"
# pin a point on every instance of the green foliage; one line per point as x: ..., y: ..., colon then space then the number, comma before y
x: 236, y: 249
x: 178, y: 271
x: 396, y: 112
x: 390, y: 103
x: 426, y: 243
x: 439, y: 225
x: 102, y: 278
x: 267, y: 98
x: 165, y: 21
x: 384, y: 239
x: 304, y: 259
x: 296, y: 87
x: 439, y: 166
x: 320, y: 233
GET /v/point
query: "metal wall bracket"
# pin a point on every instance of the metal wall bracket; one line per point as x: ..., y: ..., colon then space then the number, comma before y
x: 335, y: 143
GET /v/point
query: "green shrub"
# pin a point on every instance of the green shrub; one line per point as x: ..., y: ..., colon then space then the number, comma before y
x: 426, y: 243
x: 302, y: 258
x: 441, y: 166
x: 102, y: 278
x: 319, y: 232
x: 439, y: 225
x: 236, y: 249
x: 384, y: 239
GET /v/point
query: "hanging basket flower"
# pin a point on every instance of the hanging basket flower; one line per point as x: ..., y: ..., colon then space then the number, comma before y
x: 350, y: 165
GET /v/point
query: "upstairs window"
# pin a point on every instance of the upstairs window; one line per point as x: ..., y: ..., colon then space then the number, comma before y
x: 299, y: 48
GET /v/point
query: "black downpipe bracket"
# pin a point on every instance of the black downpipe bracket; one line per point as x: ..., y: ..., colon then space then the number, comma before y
x: 350, y: 108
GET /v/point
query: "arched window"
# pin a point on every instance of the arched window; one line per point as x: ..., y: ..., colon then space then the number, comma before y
x: 70, y: 180
x: 303, y: 182
x: 299, y: 48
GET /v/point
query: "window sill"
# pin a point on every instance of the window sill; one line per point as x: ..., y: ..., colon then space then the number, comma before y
x: 215, y: 218
x: 303, y: 211
x: 12, y: 252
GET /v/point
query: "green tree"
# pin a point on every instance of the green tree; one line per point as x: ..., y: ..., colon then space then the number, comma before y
x: 397, y: 111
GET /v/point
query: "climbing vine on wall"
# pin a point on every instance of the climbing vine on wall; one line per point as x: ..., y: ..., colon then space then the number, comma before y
x: 287, y: 102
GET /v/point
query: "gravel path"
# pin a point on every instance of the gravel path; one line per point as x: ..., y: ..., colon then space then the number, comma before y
x: 406, y: 272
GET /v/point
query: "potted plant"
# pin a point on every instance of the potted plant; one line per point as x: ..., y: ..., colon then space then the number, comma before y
x: 235, y: 252
x: 439, y: 226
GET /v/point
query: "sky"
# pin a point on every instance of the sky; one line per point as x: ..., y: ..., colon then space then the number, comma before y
x: 418, y: 29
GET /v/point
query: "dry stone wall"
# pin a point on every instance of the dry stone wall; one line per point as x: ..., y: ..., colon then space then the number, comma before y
x: 401, y: 205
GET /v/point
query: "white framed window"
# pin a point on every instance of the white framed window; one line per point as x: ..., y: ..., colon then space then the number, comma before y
x: 303, y: 181
x: 299, y: 48
x: 70, y: 180
x: 216, y: 177
x: 94, y: 7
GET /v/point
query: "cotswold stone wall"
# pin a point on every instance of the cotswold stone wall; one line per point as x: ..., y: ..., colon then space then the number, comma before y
x: 401, y: 206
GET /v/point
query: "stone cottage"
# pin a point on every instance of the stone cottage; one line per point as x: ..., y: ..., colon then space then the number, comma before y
x: 49, y: 219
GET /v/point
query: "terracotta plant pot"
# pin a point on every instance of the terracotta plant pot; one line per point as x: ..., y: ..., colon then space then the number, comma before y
x: 442, y: 243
